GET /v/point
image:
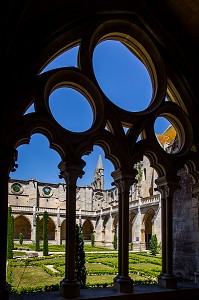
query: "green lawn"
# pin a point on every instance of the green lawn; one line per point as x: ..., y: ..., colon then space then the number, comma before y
x: 34, y: 274
x: 59, y: 248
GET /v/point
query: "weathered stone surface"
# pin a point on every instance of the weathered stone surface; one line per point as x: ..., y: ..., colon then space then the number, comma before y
x: 186, y: 229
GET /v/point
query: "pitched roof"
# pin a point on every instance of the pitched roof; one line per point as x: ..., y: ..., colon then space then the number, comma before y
x: 167, y: 136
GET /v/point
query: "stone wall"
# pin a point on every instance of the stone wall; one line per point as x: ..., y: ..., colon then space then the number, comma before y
x: 185, y: 229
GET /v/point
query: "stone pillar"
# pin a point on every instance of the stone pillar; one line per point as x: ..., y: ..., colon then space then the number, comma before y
x: 7, y: 164
x: 163, y: 234
x: 123, y: 180
x: 195, y: 202
x: 33, y: 231
x: 58, y: 238
x: 167, y: 189
x: 70, y: 170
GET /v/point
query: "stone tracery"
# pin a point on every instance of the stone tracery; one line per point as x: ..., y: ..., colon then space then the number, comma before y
x: 123, y: 150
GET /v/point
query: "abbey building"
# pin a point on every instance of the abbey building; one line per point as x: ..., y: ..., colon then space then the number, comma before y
x: 96, y: 208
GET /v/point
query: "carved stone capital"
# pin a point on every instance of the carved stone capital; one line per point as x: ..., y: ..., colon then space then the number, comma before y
x: 8, y: 156
x: 124, y: 179
x: 71, y: 169
x: 195, y: 190
x: 167, y: 187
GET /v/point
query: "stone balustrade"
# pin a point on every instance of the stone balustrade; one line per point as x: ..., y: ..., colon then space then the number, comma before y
x: 150, y: 200
x: 21, y: 208
x: 111, y: 209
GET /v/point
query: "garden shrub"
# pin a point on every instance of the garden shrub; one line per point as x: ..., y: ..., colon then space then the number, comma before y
x: 154, y: 244
x: 92, y: 240
x: 45, y: 231
x: 21, y: 238
x: 144, y: 269
x: 10, y: 234
x: 115, y: 241
x: 80, y: 257
x: 37, y: 237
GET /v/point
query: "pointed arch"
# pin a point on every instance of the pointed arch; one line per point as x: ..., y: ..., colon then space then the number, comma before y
x: 22, y: 224
x: 148, y: 226
x: 51, y: 229
x: 87, y: 229
x: 63, y: 230
x: 115, y: 222
x: 131, y: 219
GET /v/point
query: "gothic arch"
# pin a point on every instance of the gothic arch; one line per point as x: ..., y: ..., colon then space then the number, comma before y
x: 51, y: 229
x: 148, y: 226
x: 115, y: 223
x: 87, y: 229
x: 85, y: 82
x: 63, y: 230
x: 142, y: 28
x: 131, y: 219
x: 23, y: 225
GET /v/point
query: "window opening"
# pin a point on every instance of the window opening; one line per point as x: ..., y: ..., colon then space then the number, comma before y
x: 166, y: 135
x: 122, y: 76
x: 31, y: 109
x: 65, y: 59
x: 71, y: 109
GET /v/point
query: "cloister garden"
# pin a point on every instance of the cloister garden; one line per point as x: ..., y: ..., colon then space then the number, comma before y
x: 44, y: 273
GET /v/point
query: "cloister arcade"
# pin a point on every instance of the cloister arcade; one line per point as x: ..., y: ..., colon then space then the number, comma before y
x: 23, y: 225
x: 104, y: 230
x: 163, y: 36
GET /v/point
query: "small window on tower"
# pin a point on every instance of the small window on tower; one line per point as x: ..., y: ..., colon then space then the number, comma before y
x: 144, y: 174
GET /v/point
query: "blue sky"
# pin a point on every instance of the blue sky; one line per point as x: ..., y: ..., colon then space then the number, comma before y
x: 122, y: 77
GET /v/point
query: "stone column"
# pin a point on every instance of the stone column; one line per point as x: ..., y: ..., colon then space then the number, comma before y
x: 7, y: 164
x: 70, y: 171
x: 167, y: 189
x: 195, y: 203
x: 58, y: 238
x: 163, y: 234
x: 123, y: 180
x: 33, y: 231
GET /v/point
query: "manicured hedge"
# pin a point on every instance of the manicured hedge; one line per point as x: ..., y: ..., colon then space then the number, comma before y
x: 143, y: 270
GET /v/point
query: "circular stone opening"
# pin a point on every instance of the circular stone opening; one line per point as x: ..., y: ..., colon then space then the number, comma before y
x: 166, y: 135
x: 71, y: 109
x: 16, y: 188
x: 47, y: 191
x: 122, y: 77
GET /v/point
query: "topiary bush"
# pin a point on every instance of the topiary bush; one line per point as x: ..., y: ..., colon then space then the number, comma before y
x: 153, y: 244
x: 10, y: 234
x: 45, y: 232
x: 21, y: 238
x: 37, y: 237
x: 92, y: 240
x: 115, y: 241
x: 80, y: 268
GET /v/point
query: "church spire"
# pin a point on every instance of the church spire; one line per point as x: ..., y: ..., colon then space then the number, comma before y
x: 99, y: 175
x: 99, y: 163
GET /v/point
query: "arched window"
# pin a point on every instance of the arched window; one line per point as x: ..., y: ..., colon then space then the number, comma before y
x: 22, y: 225
x: 63, y: 230
x: 87, y: 229
x: 131, y: 219
x: 148, y: 226
x: 51, y: 229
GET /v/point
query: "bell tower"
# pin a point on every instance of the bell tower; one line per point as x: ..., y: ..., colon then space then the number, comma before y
x: 99, y: 175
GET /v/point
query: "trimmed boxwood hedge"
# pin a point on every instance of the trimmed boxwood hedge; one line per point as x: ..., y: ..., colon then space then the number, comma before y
x: 107, y: 262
